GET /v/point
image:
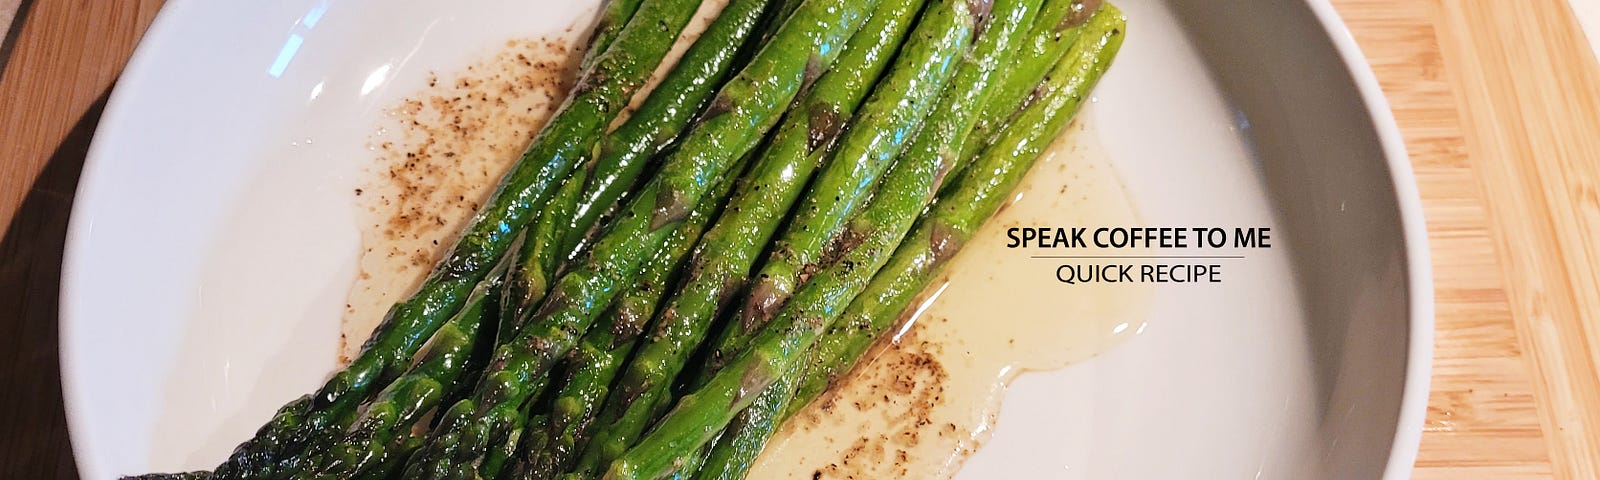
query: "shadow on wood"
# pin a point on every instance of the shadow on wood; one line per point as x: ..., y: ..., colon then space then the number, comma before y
x: 33, y: 424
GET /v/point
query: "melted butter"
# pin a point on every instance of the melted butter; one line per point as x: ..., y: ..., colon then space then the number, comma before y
x: 442, y: 151
x: 439, y: 154
x: 929, y: 398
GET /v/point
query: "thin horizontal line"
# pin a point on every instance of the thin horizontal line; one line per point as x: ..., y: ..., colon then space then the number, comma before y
x: 1173, y: 257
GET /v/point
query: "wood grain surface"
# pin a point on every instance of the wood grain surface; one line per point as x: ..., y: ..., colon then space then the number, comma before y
x: 52, y: 87
x: 1529, y: 94
x: 1498, y: 101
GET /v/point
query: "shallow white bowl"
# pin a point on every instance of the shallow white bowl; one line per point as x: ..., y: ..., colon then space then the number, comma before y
x: 1311, y: 361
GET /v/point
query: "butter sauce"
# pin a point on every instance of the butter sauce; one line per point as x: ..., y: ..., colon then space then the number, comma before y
x: 442, y: 151
x: 930, y: 395
x: 439, y: 154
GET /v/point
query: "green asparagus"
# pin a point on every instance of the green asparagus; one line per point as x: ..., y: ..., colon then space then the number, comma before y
x: 920, y: 168
x: 623, y: 154
x: 1058, y: 26
x: 949, y: 225
x: 740, y: 114
x: 601, y: 94
x: 391, y: 415
x: 804, y: 47
x: 493, y: 415
x: 393, y: 458
x: 780, y: 346
x: 519, y: 389
x: 889, y: 118
x: 668, y: 111
x: 529, y: 449
x: 538, y: 257
x: 608, y: 24
x: 599, y: 355
x: 726, y: 255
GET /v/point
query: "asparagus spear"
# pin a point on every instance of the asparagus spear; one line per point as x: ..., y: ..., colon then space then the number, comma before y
x: 890, y: 117
x: 623, y: 154
x: 948, y: 226
x: 608, y: 24
x: 538, y: 257
x: 780, y: 346
x: 529, y: 448
x: 921, y: 168
x: 499, y: 452
x: 805, y: 46
x: 675, y: 101
x: 743, y: 110
x: 601, y: 94
x: 528, y: 434
x: 659, y: 120
x: 599, y: 355
x: 387, y: 421
x: 775, y: 17
x: 389, y: 464
x: 599, y: 358
x: 656, y: 124
x: 1058, y: 26
x: 461, y: 445
x: 729, y: 249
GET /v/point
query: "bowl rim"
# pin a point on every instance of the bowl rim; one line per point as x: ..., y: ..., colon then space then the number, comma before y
x: 1414, y: 230
x: 1419, y: 352
x: 79, y: 226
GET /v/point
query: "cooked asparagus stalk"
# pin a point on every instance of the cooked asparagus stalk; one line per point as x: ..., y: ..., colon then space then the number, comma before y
x: 783, y: 344
x: 744, y: 109
x: 538, y: 257
x: 602, y: 92
x: 529, y: 448
x: 387, y: 421
x: 624, y: 153
x: 1058, y: 26
x: 725, y: 257
x: 392, y: 459
x: 920, y: 168
x: 891, y: 116
x: 460, y: 446
x: 599, y: 355
x: 608, y: 24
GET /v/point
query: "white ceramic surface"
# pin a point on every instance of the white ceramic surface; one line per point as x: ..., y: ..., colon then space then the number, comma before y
x: 1588, y: 13
x: 214, y: 239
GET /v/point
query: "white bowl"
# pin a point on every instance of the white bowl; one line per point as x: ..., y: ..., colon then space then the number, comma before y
x: 212, y: 244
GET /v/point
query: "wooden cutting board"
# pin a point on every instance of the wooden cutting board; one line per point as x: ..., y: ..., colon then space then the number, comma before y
x: 1499, y: 103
